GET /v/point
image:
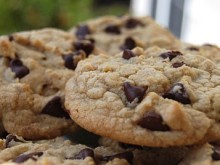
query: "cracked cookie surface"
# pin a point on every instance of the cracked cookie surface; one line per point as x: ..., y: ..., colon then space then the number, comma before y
x: 209, y: 51
x: 41, y: 61
x: 111, y: 34
x: 155, y: 98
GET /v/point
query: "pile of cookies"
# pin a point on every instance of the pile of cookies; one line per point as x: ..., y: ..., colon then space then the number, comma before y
x: 149, y: 98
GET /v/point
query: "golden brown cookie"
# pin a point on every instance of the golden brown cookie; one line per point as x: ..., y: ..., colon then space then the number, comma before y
x: 154, y: 98
x: 112, y: 34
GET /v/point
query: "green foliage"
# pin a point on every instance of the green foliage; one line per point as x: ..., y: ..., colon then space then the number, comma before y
x: 20, y: 15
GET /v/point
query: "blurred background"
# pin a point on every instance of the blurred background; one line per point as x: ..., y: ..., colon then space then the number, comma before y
x: 193, y: 21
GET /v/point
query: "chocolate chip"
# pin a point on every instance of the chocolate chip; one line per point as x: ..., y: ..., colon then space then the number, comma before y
x: 216, y: 150
x: 3, y: 134
x: 132, y: 92
x: 130, y: 146
x: 22, y: 158
x: 177, y: 92
x: 132, y: 23
x: 18, y: 68
x: 125, y: 155
x: 178, y: 64
x: 82, y: 31
x: 170, y: 54
x: 127, y: 54
x: 129, y: 43
x: 92, y: 40
x: 192, y: 48
x: 153, y: 121
x: 113, y: 29
x: 10, y: 38
x: 54, y: 108
x: 85, y: 153
x: 86, y: 47
x: 216, y: 153
x: 69, y: 61
x: 9, y: 138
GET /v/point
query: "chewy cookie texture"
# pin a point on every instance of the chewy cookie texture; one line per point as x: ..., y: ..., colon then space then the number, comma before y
x: 155, y: 98
x: 35, y: 66
x: 112, y: 34
x: 147, y: 96
x: 16, y: 150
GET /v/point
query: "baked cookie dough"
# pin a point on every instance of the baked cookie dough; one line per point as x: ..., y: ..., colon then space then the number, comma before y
x: 209, y: 51
x: 155, y: 98
x: 111, y: 34
x: 16, y: 150
x: 35, y: 66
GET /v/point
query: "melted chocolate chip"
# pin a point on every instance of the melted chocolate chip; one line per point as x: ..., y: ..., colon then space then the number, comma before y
x: 24, y: 157
x: 170, y: 54
x: 82, y: 31
x: 54, y: 108
x: 125, y: 155
x: 85, y: 153
x: 132, y: 92
x: 9, y: 138
x: 132, y: 23
x: 86, y: 47
x: 130, y: 146
x: 193, y: 49
x: 18, y: 68
x: 216, y: 151
x: 69, y: 61
x: 113, y: 29
x: 127, y: 54
x: 10, y: 38
x: 153, y: 121
x: 129, y: 43
x: 178, y: 92
x: 178, y: 64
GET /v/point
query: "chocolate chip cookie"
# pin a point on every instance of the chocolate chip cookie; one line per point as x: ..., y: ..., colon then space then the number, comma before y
x: 154, y: 98
x: 39, y: 82
x: 112, y: 34
x: 16, y: 150
x: 31, y: 115
x: 42, y: 61
x: 52, y: 48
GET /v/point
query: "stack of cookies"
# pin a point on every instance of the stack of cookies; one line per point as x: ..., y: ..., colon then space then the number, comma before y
x: 147, y: 97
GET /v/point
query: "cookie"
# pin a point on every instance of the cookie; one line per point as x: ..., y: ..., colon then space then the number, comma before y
x: 112, y: 34
x: 206, y: 154
x: 154, y: 98
x: 33, y: 116
x: 52, y: 48
x: 42, y: 83
x: 209, y: 51
x: 16, y: 150
x: 42, y: 61
x: 148, y: 155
